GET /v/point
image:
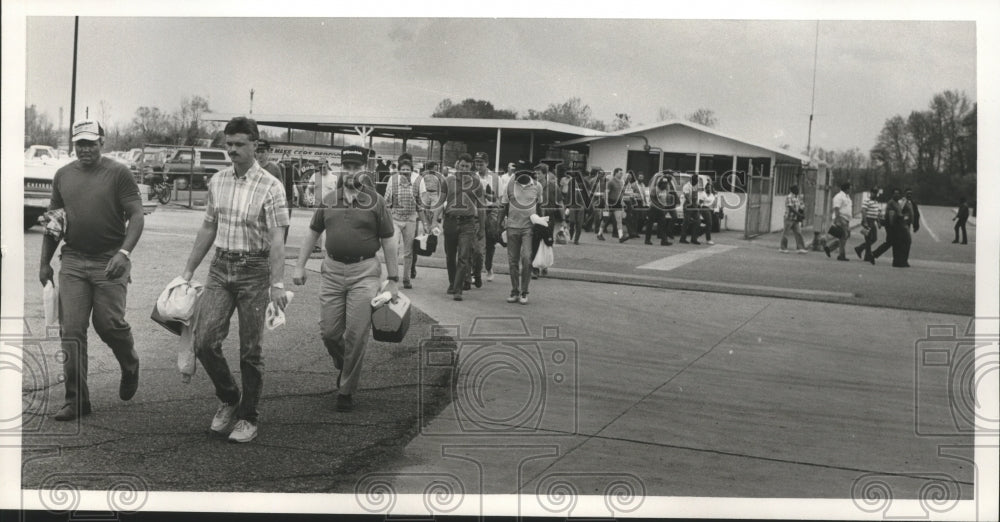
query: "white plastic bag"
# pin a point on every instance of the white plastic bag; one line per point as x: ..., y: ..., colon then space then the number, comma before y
x: 544, y: 258
x: 178, y: 299
x: 274, y: 316
x: 50, y: 298
x: 186, y: 361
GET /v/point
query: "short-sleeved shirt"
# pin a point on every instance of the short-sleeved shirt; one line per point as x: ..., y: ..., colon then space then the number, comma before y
x: 843, y: 202
x: 246, y: 208
x: 793, y: 204
x: 615, y: 188
x: 463, y: 195
x: 354, y: 228
x: 94, y: 201
x: 401, y: 196
x: 523, y: 202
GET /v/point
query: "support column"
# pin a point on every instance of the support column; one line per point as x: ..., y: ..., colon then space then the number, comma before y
x: 697, y: 162
x: 531, y: 148
x: 496, y: 160
x: 404, y: 144
x: 660, y: 167
x: 288, y: 136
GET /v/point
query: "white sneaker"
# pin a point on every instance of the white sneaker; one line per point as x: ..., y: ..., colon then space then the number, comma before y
x: 225, y: 419
x: 782, y: 250
x: 245, y: 431
x: 710, y: 242
x: 803, y: 251
x: 523, y: 299
x: 489, y: 275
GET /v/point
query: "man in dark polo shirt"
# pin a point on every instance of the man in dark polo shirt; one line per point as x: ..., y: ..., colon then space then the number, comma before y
x: 464, y: 219
x: 262, y: 154
x: 103, y: 224
x: 357, y: 223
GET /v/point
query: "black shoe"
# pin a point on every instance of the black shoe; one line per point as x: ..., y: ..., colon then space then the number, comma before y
x: 827, y: 250
x: 129, y: 384
x: 457, y: 297
x: 601, y: 237
x: 858, y: 252
x: 871, y: 260
x: 695, y: 242
x: 576, y: 241
x: 344, y: 403
x: 665, y: 243
x: 407, y: 285
x: 413, y: 274
x: 69, y: 412
x: 478, y: 282
x: 623, y: 239
x: 466, y: 286
x: 965, y: 242
x: 450, y: 291
x: 648, y: 242
x: 685, y: 241
x: 842, y: 258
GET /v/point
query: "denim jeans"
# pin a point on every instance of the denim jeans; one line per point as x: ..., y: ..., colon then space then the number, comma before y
x: 405, y: 231
x: 519, y: 258
x: 870, y: 239
x: 459, y: 240
x: 485, y: 248
x: 794, y: 227
x: 241, y: 284
x: 85, y: 292
x: 345, y: 318
x: 692, y: 223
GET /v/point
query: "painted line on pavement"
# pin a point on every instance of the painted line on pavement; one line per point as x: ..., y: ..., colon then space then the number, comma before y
x: 679, y: 260
x: 555, y: 272
x: 923, y: 223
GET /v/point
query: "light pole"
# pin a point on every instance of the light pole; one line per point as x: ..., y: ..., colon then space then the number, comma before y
x: 72, y: 99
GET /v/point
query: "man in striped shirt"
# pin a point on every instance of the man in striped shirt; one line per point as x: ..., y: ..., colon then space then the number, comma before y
x: 245, y: 219
x: 871, y: 214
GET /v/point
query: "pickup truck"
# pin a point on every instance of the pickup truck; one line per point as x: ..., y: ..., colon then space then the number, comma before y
x: 195, y: 165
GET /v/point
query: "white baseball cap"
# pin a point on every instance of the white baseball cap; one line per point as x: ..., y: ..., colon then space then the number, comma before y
x: 87, y: 130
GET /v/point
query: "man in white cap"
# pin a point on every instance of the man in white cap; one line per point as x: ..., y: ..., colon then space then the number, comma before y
x: 104, y: 221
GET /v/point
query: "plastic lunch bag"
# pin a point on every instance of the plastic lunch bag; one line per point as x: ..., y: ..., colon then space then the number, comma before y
x: 544, y: 258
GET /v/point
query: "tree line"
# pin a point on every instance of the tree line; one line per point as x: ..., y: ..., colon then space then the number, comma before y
x: 931, y: 151
x: 183, y: 126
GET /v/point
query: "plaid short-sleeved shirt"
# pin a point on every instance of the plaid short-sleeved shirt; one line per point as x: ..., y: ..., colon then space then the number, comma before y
x: 245, y: 208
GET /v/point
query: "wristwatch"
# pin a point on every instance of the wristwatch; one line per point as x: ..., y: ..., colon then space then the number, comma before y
x: 279, y: 285
x: 394, y: 279
x: 126, y: 252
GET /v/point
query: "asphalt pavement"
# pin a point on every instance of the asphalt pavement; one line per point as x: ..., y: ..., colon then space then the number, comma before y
x: 743, y: 372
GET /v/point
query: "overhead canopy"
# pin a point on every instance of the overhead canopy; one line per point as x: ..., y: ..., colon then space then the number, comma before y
x: 439, y: 129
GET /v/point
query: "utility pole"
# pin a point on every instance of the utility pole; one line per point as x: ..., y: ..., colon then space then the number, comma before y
x: 251, y: 101
x: 72, y: 99
x: 812, y: 107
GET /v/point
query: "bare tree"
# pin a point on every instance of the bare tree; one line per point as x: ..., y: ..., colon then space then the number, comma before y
x: 665, y: 114
x: 704, y: 117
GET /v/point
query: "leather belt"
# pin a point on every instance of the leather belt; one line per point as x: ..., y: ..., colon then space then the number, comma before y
x: 235, y: 254
x: 349, y: 260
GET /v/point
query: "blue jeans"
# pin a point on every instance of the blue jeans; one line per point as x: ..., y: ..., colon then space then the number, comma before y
x: 84, y: 292
x: 519, y: 258
x: 459, y: 241
x: 243, y: 284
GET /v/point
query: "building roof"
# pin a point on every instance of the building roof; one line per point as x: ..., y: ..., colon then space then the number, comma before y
x: 698, y: 127
x: 416, y: 127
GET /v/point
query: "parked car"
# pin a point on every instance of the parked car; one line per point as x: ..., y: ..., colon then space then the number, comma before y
x: 195, y: 165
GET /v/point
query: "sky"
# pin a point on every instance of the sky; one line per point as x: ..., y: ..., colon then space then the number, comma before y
x: 756, y: 75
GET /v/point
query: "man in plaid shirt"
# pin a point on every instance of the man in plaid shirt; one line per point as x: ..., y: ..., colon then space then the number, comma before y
x: 402, y: 197
x: 245, y: 219
x: 794, y: 215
